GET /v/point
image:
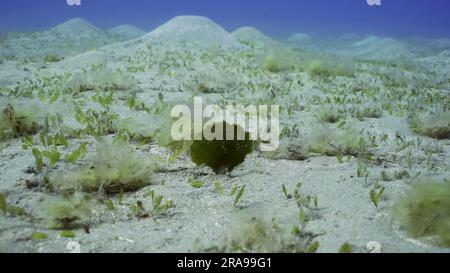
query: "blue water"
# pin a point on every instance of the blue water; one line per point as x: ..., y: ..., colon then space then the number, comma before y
x: 398, y: 18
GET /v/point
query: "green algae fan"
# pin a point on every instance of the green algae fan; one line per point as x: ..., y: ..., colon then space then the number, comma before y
x: 254, y: 233
x: 16, y: 123
x: 114, y: 168
x: 425, y: 211
x: 222, y: 155
x: 279, y: 59
x: 435, y: 125
x: 68, y: 212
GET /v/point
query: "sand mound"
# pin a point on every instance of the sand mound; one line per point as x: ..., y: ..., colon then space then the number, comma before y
x: 192, y: 30
x: 427, y: 47
x: 70, y: 38
x: 368, y: 41
x: 85, y: 60
x: 127, y: 31
x: 254, y: 36
x: 77, y: 28
x: 442, y: 43
x: 374, y: 47
x: 299, y: 39
x: 445, y: 53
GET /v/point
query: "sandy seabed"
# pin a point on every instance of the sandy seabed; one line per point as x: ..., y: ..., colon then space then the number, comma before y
x: 348, y: 112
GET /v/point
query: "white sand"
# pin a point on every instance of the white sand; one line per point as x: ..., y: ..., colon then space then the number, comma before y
x: 345, y: 212
x: 255, y: 36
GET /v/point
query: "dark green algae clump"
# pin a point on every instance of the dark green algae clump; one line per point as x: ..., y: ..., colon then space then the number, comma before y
x: 222, y: 155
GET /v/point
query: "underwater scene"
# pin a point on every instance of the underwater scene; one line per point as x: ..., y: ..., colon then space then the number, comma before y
x: 225, y: 126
